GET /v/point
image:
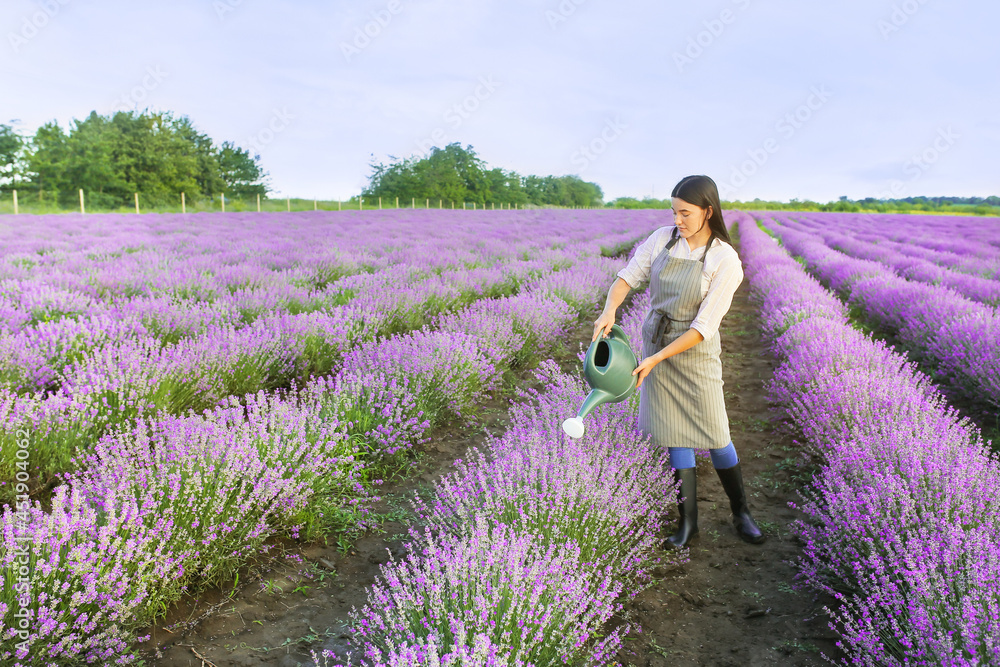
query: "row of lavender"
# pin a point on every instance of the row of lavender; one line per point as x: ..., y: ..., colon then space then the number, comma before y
x: 182, y: 499
x: 121, y: 379
x: 847, y: 236
x: 902, y: 523
x: 958, y: 337
x: 184, y: 316
x: 173, y: 277
x: 525, y: 552
x: 964, y: 243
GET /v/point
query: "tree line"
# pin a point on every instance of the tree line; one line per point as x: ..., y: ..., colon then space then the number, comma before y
x: 456, y: 174
x: 111, y: 157
x: 964, y: 205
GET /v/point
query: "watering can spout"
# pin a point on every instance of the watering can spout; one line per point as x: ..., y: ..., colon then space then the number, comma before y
x: 594, y: 398
x: 607, y: 368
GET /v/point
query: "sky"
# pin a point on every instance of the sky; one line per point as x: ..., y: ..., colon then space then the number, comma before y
x: 776, y: 99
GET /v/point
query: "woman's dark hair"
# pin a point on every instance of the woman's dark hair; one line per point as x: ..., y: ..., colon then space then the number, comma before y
x: 702, y: 191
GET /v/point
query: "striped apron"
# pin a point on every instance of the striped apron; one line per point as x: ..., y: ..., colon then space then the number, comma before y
x: 680, y: 401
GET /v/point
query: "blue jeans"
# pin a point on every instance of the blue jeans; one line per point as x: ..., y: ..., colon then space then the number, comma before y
x: 682, y: 458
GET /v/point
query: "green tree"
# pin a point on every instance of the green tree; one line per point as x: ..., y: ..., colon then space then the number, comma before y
x: 207, y: 170
x: 241, y: 171
x: 90, y: 164
x: 48, y: 152
x: 153, y: 154
x: 458, y: 175
x: 11, y: 147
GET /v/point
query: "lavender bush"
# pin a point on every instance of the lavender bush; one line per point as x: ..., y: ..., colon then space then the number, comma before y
x: 535, y: 480
x: 901, y: 522
x: 850, y: 235
x: 468, y: 650
x: 76, y: 603
x: 933, y: 322
x: 534, y: 601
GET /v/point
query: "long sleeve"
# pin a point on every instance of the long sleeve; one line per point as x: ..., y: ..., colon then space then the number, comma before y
x: 636, y: 272
x: 719, y: 297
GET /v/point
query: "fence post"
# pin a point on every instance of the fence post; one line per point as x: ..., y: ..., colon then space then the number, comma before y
x: 183, y: 204
x: 338, y: 205
x: 413, y: 202
x: 82, y: 209
x: 258, y: 202
x: 136, y: 202
x: 15, y: 202
x: 397, y: 202
x: 288, y: 204
x: 380, y: 203
x: 314, y: 205
x: 453, y: 206
x: 361, y: 203
x: 428, y: 203
x: 222, y: 198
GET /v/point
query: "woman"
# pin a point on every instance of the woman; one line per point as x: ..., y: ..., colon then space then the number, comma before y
x: 693, y: 271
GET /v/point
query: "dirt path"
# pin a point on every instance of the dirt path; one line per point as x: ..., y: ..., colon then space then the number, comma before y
x: 733, y: 604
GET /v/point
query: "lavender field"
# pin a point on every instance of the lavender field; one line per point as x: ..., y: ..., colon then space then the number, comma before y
x: 176, y: 391
x: 901, y: 523
x: 937, y: 294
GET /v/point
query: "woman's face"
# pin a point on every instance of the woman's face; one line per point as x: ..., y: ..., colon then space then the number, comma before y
x: 690, y: 219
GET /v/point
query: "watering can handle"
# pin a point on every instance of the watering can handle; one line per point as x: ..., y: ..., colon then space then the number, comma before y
x: 616, y: 332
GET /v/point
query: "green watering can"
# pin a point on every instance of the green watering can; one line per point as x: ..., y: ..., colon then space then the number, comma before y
x: 607, y: 368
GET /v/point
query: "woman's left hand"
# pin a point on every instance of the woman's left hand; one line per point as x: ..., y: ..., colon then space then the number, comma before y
x: 644, y: 367
x: 685, y: 341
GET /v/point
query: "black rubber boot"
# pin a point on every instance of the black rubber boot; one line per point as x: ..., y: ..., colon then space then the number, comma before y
x: 732, y: 482
x: 688, y: 509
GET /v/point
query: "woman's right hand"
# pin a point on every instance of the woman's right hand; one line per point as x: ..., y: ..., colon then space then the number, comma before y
x: 602, y: 325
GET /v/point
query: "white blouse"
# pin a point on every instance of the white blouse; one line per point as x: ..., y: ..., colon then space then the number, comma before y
x: 721, y: 275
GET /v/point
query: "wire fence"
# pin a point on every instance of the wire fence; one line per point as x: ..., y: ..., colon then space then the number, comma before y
x: 12, y: 203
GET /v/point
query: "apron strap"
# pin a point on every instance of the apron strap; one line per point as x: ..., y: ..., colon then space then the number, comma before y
x: 674, y: 238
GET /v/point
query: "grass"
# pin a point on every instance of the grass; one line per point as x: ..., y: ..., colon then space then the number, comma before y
x: 752, y: 424
x: 789, y: 646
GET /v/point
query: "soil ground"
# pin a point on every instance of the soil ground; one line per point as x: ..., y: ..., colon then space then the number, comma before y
x: 733, y: 604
